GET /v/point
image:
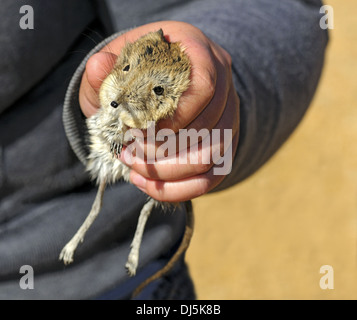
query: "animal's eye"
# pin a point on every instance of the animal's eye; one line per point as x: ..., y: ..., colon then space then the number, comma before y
x: 126, y: 68
x: 114, y: 104
x: 159, y: 90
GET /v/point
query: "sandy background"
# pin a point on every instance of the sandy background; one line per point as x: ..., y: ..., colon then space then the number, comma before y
x: 267, y: 237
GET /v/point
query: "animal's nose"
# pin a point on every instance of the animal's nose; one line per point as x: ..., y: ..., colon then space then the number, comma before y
x: 114, y: 104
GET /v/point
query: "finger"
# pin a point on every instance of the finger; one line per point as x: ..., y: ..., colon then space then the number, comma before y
x: 97, y: 68
x: 202, y: 87
x: 204, y: 79
x: 88, y: 98
x: 211, y: 114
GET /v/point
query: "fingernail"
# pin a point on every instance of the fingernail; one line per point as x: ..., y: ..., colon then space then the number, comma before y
x: 139, y: 181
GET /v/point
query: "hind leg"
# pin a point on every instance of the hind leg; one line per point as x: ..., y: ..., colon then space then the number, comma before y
x: 133, y: 258
x: 68, y: 251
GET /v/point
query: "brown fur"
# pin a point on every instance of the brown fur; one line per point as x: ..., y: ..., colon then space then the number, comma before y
x: 153, y: 62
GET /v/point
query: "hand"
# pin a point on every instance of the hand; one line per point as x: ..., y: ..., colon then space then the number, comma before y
x: 211, y: 102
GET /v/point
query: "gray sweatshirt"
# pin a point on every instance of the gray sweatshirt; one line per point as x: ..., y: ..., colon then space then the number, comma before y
x: 277, y: 49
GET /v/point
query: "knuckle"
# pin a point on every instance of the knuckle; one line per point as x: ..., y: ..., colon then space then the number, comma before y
x: 207, y: 77
x: 227, y: 59
x: 202, y: 187
x: 203, y: 167
x: 209, y: 83
x: 157, y: 190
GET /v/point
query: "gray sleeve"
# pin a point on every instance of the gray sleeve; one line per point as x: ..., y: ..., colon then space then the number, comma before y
x: 277, y: 49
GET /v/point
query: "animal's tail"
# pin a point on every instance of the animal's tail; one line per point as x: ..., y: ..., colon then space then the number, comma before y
x: 185, y: 242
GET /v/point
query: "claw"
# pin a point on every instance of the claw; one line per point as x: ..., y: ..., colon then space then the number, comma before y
x: 118, y: 149
x: 67, y: 253
x: 115, y: 149
x: 131, y: 267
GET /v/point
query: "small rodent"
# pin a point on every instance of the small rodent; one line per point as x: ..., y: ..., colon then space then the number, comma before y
x: 145, y: 84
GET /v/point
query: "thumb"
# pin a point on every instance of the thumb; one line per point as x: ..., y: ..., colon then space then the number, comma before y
x: 97, y: 68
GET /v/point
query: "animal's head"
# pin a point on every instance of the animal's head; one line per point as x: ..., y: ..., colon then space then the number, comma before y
x: 147, y: 81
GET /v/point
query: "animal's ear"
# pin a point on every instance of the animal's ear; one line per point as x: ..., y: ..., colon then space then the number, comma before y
x: 126, y: 52
x: 161, y: 36
x: 160, y: 33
